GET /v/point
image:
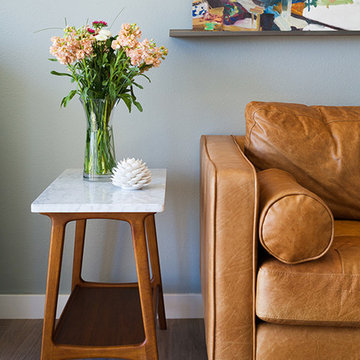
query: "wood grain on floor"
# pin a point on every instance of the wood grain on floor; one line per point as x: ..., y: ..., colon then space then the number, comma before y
x: 184, y: 339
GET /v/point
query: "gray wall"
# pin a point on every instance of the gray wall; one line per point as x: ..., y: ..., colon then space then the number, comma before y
x: 202, y: 88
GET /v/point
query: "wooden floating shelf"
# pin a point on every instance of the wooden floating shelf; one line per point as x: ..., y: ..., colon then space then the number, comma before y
x: 182, y: 33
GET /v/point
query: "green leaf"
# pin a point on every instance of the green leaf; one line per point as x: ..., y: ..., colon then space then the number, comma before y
x: 132, y: 94
x: 127, y: 101
x: 67, y: 98
x: 72, y: 93
x: 145, y: 77
x: 52, y: 59
x: 138, y: 105
x: 63, y: 102
x: 59, y: 74
x: 138, y: 85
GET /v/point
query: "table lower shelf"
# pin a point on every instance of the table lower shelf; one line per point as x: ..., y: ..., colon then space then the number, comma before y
x: 101, y: 316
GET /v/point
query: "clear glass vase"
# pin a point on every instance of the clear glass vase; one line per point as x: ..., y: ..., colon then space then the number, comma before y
x: 99, y: 149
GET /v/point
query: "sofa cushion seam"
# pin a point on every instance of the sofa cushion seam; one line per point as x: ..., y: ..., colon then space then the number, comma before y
x: 314, y: 257
x: 263, y: 317
x: 304, y: 273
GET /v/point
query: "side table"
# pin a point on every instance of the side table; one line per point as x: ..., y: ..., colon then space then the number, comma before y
x: 111, y: 320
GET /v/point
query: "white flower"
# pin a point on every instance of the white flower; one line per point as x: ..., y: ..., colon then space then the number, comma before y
x: 103, y: 35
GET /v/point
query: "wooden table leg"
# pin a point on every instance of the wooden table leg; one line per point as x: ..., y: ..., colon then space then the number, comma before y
x: 145, y: 290
x: 78, y: 252
x: 52, y: 285
x: 155, y: 267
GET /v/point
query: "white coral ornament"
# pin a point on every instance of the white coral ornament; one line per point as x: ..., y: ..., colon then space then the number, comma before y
x: 131, y: 174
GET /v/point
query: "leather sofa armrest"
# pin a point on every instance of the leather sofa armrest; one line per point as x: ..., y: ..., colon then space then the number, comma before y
x: 229, y: 205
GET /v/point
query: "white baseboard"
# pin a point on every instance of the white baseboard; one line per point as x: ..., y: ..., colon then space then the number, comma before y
x: 177, y: 306
x: 183, y: 306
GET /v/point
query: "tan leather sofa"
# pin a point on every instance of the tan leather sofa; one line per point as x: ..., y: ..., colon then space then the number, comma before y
x: 255, y: 306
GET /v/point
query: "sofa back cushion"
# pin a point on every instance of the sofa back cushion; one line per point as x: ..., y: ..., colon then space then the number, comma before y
x: 318, y: 145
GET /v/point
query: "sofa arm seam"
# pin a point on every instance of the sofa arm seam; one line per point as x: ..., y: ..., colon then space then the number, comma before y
x: 254, y: 247
x: 214, y: 229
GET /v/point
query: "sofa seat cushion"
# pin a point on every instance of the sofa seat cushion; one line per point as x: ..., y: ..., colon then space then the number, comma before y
x: 324, y: 292
x: 286, y: 342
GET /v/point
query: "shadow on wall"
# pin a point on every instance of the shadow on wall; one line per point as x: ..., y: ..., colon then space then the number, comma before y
x: 109, y: 255
x: 180, y: 256
x: 21, y: 165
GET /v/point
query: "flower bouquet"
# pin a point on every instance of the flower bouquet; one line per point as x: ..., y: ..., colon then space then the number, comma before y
x: 104, y: 68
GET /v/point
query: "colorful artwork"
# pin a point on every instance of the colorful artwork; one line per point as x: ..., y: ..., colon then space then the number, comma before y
x: 276, y: 15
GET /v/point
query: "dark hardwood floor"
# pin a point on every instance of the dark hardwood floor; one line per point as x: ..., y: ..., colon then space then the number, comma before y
x: 183, y: 340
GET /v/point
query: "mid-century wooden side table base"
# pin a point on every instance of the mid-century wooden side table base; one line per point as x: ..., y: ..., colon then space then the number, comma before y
x: 103, y: 320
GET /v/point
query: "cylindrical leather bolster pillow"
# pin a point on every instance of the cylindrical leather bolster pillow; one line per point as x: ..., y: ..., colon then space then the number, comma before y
x: 295, y: 224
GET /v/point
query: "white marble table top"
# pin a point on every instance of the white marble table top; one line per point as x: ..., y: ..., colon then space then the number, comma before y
x: 70, y: 193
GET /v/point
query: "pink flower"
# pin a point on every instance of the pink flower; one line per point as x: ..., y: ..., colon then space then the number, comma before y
x: 115, y: 45
x: 75, y: 45
x: 127, y: 37
x: 146, y: 54
x: 135, y: 56
x: 80, y: 54
x: 151, y: 54
x: 99, y: 24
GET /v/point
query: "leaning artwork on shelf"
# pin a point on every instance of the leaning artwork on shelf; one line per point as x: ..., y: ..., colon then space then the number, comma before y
x: 276, y: 15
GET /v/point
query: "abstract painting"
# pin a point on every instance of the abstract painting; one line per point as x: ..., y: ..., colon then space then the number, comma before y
x: 276, y: 15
